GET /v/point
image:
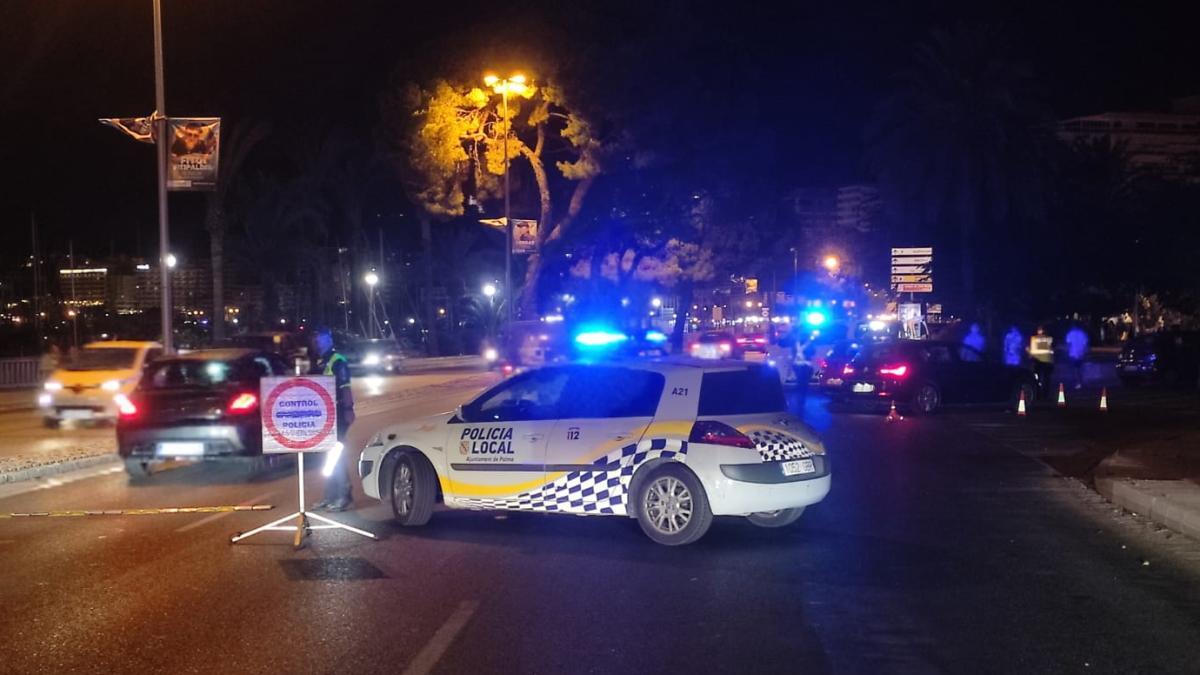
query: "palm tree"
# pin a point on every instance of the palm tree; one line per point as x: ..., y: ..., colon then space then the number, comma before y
x: 236, y: 143
x: 956, y: 146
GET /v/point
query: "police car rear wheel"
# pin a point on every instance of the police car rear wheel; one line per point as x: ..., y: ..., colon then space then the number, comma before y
x: 777, y: 518
x: 413, y: 490
x: 672, y: 508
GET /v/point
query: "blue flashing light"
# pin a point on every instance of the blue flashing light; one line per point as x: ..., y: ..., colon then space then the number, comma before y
x: 599, y: 338
x: 815, y: 318
x: 656, y: 336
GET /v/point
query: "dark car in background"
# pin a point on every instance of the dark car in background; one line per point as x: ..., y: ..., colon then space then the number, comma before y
x: 833, y: 362
x: 202, y: 405
x: 1168, y: 357
x: 292, y: 347
x: 374, y: 356
x: 925, y: 375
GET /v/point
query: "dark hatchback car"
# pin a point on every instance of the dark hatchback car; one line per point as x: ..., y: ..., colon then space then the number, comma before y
x: 924, y: 375
x: 197, y: 406
x: 1169, y: 357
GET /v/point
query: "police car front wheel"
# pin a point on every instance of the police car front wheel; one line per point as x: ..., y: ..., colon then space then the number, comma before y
x: 672, y: 508
x: 777, y: 518
x: 413, y: 489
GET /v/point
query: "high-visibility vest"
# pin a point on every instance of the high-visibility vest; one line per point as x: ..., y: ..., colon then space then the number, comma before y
x: 1041, y: 348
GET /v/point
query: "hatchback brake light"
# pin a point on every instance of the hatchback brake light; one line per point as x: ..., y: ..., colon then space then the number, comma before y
x: 125, y: 408
x: 717, y: 433
x: 899, y: 370
x: 847, y: 369
x: 243, y: 403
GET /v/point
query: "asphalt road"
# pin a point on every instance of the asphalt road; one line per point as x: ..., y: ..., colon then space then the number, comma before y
x: 941, y: 549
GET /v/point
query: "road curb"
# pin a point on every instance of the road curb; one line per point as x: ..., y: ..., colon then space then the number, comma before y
x: 1174, y: 504
x: 65, y: 466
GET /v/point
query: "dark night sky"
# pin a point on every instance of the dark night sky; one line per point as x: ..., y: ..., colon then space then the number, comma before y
x: 810, y: 73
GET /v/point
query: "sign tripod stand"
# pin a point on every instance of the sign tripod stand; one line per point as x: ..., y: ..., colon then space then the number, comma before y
x: 302, y: 527
x: 299, y: 416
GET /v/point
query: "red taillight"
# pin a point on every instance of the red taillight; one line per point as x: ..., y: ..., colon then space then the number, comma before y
x: 717, y: 433
x: 847, y: 369
x: 895, y: 371
x: 125, y: 408
x: 760, y: 341
x: 742, y: 340
x: 243, y: 403
x: 726, y: 347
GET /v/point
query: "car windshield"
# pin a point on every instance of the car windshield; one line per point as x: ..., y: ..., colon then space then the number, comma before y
x: 712, y: 338
x: 193, y: 373
x: 103, y: 358
x: 741, y: 392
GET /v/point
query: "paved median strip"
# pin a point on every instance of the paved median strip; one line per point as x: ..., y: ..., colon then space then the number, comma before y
x: 75, y: 513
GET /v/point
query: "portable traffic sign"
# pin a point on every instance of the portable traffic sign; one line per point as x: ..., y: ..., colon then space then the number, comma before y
x: 299, y: 415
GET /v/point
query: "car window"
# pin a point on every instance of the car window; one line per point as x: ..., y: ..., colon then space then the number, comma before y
x: 741, y: 392
x: 600, y: 392
x: 191, y: 373
x: 530, y: 396
x: 938, y: 354
x: 969, y: 354
x: 259, y: 367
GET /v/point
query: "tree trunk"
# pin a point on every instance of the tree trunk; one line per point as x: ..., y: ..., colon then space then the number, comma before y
x: 430, y: 312
x: 683, y: 310
x: 216, y: 249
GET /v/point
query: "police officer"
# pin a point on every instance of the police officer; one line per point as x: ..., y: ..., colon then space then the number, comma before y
x: 338, y: 492
x: 1041, y: 350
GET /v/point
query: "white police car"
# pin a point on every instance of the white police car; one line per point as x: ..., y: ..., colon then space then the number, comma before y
x: 671, y: 443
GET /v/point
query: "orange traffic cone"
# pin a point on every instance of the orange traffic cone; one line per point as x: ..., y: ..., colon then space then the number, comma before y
x: 1062, y: 396
x: 1104, y: 398
x: 892, y: 415
x: 1021, y: 403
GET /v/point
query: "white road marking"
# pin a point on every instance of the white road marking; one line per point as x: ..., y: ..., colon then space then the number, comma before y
x: 217, y: 516
x: 432, y: 652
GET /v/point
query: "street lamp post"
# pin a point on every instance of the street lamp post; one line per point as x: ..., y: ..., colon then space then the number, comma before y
x: 371, y: 278
x: 160, y: 125
x: 515, y: 84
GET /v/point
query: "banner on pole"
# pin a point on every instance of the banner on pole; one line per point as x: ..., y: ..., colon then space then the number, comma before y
x: 137, y: 128
x: 299, y: 414
x: 193, y: 152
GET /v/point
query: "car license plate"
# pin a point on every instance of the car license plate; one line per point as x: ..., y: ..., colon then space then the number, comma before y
x: 798, y: 466
x: 77, y: 413
x: 1131, y: 367
x: 834, y: 382
x: 863, y: 388
x: 180, y: 449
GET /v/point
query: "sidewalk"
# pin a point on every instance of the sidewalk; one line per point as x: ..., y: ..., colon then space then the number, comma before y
x: 18, y: 400
x: 1157, y: 478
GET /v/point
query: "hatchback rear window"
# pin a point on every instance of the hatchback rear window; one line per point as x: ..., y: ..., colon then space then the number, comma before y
x: 195, y: 373
x: 741, y: 392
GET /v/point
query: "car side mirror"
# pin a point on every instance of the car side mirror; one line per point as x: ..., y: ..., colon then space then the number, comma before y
x: 460, y: 413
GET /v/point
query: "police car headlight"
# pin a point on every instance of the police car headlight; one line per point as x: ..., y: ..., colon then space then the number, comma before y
x: 111, y: 385
x: 490, y: 354
x: 51, y: 385
x: 371, y: 360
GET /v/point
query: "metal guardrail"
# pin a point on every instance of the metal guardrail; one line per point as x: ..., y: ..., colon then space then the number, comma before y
x: 20, y: 372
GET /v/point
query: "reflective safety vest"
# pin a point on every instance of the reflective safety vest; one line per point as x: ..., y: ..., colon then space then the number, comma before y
x: 332, y: 360
x: 1041, y: 348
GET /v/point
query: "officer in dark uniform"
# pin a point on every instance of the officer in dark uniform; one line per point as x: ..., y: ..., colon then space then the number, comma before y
x: 338, y: 491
